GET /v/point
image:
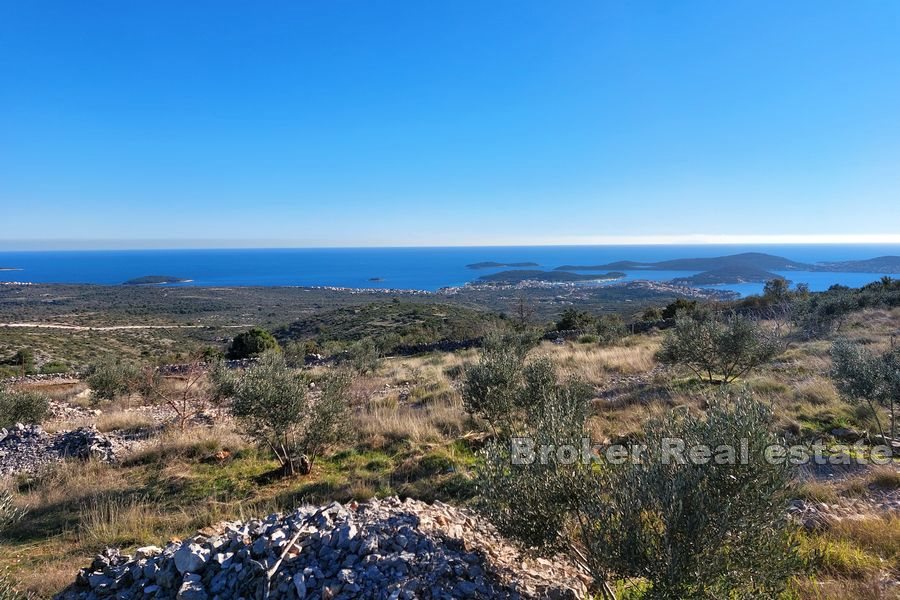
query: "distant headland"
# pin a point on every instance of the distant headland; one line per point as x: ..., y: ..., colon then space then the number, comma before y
x: 155, y: 280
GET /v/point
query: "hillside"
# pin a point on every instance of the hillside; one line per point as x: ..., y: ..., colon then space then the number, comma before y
x: 880, y: 264
x: 728, y: 275
x: 412, y: 438
x: 392, y: 324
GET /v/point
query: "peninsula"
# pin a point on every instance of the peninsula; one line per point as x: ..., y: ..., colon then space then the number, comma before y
x: 155, y: 280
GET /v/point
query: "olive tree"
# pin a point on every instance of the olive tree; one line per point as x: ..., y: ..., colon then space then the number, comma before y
x: 712, y: 528
x: 109, y: 379
x: 862, y: 375
x: 276, y: 408
x: 728, y: 347
x: 22, y: 406
x: 493, y: 388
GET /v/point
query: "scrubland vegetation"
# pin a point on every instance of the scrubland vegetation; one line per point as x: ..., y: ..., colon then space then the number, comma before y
x: 432, y: 426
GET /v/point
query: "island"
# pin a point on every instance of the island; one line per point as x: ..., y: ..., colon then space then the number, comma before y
x: 728, y: 275
x: 376, y: 278
x: 512, y: 277
x: 155, y: 280
x: 745, y: 260
x: 497, y: 265
x: 879, y: 264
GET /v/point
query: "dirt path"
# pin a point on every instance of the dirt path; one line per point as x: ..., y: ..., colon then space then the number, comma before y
x: 113, y: 327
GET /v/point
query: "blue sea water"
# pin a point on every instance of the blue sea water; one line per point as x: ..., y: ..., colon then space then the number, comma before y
x: 397, y: 268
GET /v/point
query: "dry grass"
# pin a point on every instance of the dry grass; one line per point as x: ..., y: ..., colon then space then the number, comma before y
x: 118, y: 521
x: 817, y: 391
x: 382, y: 423
x: 191, y: 444
x: 594, y: 363
x: 124, y: 421
x: 870, y: 588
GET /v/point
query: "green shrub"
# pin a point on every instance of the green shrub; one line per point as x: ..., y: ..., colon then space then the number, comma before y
x: 610, y: 329
x: 710, y: 347
x: 574, y: 319
x: 493, y: 388
x: 251, y: 344
x: 860, y: 375
x: 691, y: 530
x: 273, y: 403
x: 110, y: 379
x: 22, y: 407
x: 680, y: 306
x: 55, y: 367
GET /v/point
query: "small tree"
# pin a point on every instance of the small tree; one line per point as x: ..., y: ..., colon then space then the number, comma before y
x: 523, y: 313
x: 711, y: 347
x: 861, y: 375
x: 110, y: 379
x: 610, y: 329
x: 187, y: 395
x: 776, y: 290
x: 329, y: 420
x: 574, y: 319
x: 22, y: 407
x: 24, y: 359
x: 493, y: 388
x: 699, y: 529
x: 251, y: 343
x: 273, y: 403
x: 680, y: 306
x: 693, y: 529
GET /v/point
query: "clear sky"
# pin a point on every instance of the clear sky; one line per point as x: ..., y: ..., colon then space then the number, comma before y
x: 322, y: 123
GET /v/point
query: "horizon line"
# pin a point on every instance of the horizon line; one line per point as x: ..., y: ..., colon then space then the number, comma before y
x: 48, y: 245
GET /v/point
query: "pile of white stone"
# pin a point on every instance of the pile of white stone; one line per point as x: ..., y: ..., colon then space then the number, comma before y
x: 388, y: 549
x: 28, y: 448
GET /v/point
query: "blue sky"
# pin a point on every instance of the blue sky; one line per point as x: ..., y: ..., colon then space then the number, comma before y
x: 342, y: 123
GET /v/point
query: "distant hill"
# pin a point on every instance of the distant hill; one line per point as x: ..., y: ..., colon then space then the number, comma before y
x: 154, y: 280
x: 728, y: 275
x: 746, y: 260
x: 880, y: 264
x: 496, y: 265
x: 545, y: 276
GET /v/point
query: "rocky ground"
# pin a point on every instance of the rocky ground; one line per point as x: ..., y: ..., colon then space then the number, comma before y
x: 385, y: 549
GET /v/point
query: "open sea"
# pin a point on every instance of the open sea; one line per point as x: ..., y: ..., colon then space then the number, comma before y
x: 397, y: 268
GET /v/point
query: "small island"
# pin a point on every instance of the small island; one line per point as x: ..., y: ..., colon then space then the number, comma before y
x: 497, y: 265
x: 155, y: 280
x: 376, y: 278
x: 512, y: 277
x: 728, y: 275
